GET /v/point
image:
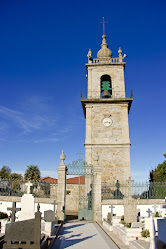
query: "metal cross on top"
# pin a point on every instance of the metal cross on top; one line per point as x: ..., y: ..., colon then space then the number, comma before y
x: 14, y: 210
x: 103, y: 22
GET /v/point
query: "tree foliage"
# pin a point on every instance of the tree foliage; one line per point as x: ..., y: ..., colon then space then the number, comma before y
x: 16, y: 176
x: 5, y: 172
x: 32, y: 173
x: 159, y: 174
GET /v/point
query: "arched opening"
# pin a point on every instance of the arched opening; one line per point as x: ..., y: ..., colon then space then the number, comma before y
x: 106, y: 86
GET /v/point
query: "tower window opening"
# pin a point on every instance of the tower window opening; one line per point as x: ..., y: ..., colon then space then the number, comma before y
x: 106, y: 87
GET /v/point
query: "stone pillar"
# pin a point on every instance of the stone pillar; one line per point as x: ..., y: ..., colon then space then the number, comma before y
x: 130, y: 205
x: 61, y: 189
x: 37, y: 228
x: 97, y: 190
x: 130, y: 210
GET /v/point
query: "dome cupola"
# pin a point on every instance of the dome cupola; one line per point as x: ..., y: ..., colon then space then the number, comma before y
x: 104, y: 52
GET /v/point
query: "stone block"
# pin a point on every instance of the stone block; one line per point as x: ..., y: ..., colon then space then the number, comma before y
x: 49, y: 216
x: 107, y: 226
x: 136, y: 224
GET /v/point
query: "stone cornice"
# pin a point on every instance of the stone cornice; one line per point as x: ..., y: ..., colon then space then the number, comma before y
x: 108, y: 101
x: 108, y: 145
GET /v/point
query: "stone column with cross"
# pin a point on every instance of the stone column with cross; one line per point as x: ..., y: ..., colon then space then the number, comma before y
x: 97, y: 189
x: 130, y: 205
x: 61, y: 189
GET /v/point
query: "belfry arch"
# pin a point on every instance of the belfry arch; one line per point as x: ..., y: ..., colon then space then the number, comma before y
x: 106, y: 86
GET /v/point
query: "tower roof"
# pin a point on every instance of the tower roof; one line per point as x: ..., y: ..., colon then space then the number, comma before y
x: 104, y: 52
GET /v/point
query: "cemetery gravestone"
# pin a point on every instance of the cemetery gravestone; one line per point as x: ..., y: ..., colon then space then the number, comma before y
x: 110, y: 215
x: 49, y: 218
x: 136, y: 225
x: 149, y: 211
x: 29, y: 185
x: 27, y: 207
x: 14, y: 210
x: 152, y: 234
x: 23, y: 234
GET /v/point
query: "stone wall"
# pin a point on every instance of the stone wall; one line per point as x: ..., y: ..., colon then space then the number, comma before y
x: 72, y: 194
x: 142, y: 205
x: 95, y: 72
x: 111, y: 143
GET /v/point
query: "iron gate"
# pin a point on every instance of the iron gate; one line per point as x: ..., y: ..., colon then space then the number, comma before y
x: 81, y: 168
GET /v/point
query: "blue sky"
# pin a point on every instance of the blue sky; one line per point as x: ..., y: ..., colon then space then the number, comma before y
x: 43, y: 51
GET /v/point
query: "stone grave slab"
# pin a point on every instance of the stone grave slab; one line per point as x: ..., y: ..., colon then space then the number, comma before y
x: 136, y: 225
x: 162, y: 230
x: 27, y: 207
x: 23, y: 234
x: 49, y: 216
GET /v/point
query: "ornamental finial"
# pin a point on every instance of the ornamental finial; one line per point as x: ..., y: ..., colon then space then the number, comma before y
x: 62, y: 156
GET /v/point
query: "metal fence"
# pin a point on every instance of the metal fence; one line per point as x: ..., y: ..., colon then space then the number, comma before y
x: 144, y: 190
x: 18, y: 188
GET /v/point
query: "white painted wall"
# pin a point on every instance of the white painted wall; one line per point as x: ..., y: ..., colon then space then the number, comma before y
x: 144, y: 208
x: 43, y: 207
x: 119, y: 210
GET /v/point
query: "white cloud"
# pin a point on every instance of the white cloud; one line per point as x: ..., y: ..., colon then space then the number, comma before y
x: 27, y: 122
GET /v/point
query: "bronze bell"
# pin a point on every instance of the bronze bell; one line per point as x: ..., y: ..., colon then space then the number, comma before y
x: 106, y: 94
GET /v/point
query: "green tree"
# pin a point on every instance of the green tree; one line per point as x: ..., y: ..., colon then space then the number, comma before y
x: 159, y: 173
x: 16, y: 176
x: 5, y: 172
x: 32, y: 173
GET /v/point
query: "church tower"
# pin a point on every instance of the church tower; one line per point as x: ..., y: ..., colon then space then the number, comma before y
x: 106, y: 111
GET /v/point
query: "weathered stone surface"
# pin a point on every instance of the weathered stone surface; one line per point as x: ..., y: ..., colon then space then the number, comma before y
x: 61, y: 189
x: 130, y: 210
x: 27, y: 233
x: 111, y: 143
x: 49, y: 215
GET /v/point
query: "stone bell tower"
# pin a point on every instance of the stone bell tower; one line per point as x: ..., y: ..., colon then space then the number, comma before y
x: 106, y: 111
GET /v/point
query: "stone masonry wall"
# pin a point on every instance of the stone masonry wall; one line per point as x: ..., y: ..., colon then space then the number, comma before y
x: 111, y: 143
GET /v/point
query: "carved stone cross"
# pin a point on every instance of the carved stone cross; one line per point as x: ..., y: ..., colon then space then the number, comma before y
x: 14, y: 210
x: 112, y: 207
x: 28, y: 184
x: 149, y: 211
x: 155, y: 208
